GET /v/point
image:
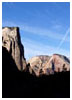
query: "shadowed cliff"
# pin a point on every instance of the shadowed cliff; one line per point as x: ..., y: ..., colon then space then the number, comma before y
x: 22, y: 84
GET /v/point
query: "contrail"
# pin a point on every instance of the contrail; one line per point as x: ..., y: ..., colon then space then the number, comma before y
x: 63, y: 39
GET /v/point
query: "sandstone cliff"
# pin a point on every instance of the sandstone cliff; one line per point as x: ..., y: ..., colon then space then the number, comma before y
x: 46, y: 65
x: 39, y: 65
x: 12, y: 42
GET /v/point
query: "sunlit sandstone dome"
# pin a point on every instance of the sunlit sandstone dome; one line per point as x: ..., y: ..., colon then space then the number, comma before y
x: 49, y: 64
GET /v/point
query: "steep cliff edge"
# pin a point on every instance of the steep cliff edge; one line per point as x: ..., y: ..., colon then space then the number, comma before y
x: 12, y: 42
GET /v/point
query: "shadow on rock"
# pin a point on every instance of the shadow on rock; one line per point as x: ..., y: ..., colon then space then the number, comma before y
x: 16, y: 84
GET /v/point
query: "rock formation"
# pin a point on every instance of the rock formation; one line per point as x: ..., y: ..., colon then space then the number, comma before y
x: 20, y: 84
x: 12, y: 42
x: 40, y: 65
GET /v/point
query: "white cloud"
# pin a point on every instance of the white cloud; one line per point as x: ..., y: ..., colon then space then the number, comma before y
x: 33, y: 48
x: 38, y: 31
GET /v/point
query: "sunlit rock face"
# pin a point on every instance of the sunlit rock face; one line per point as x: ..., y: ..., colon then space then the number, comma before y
x: 12, y: 42
x: 46, y: 65
x: 39, y: 65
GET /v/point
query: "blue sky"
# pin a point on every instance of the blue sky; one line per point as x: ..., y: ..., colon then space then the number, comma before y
x: 44, y: 27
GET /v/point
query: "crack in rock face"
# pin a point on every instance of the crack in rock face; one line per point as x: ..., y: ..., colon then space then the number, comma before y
x: 12, y: 42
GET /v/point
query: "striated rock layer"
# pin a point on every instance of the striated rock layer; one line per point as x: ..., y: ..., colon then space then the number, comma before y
x: 12, y: 42
x: 46, y: 65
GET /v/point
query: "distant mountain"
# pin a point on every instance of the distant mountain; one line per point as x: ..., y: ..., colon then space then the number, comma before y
x: 40, y: 65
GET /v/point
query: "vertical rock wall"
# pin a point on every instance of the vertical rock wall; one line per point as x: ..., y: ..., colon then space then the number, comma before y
x: 12, y: 42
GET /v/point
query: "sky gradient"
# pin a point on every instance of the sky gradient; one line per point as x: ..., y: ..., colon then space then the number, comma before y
x: 44, y: 27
